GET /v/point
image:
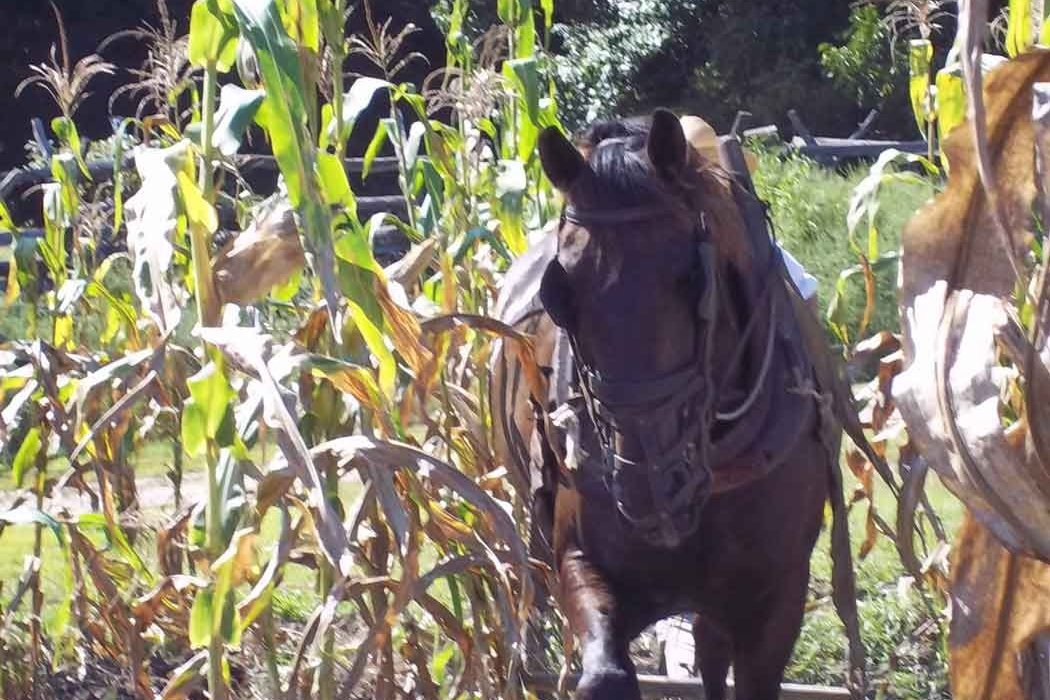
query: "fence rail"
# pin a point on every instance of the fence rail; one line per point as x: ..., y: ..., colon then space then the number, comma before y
x: 836, y: 151
x: 655, y: 687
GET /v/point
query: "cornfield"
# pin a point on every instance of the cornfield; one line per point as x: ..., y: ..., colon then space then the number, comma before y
x: 338, y: 407
x: 324, y: 419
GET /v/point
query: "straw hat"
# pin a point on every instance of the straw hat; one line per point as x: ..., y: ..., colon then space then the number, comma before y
x: 702, y: 137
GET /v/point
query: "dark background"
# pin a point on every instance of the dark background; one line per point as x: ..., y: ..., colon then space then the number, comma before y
x: 764, y: 52
x: 88, y: 22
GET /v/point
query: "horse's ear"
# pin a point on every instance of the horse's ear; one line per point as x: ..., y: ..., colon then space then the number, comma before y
x: 560, y: 159
x: 667, y: 145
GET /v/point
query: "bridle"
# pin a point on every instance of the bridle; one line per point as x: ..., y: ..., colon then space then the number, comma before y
x: 688, y: 395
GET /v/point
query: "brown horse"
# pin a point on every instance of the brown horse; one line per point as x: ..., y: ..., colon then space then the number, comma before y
x: 682, y: 462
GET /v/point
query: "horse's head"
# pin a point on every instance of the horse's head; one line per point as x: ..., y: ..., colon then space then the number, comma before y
x: 632, y: 286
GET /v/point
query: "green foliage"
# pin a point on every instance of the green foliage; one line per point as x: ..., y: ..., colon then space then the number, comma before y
x: 155, y: 373
x: 865, y: 65
x: 597, y: 62
x: 810, y: 204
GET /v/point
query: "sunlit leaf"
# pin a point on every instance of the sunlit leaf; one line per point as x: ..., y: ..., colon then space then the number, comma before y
x: 26, y: 455
x: 301, y: 20
x: 213, y: 34
x: 66, y: 131
x: 379, y: 138
x: 199, y: 631
x: 355, y: 101
x: 24, y: 515
x: 951, y: 101
x: 284, y: 109
x: 237, y: 110
x: 524, y: 75
x: 920, y: 56
x: 198, y: 210
x: 211, y: 391
x: 152, y: 219
x: 335, y: 185
x: 1020, y: 34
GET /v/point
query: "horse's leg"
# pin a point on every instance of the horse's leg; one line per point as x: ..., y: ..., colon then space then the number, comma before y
x: 592, y: 609
x: 713, y: 656
x: 764, y: 637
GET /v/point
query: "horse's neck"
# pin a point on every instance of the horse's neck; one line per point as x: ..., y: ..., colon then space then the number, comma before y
x: 725, y: 223
x: 741, y: 282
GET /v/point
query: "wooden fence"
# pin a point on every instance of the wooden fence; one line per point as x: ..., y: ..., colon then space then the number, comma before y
x: 388, y: 244
x: 654, y: 687
x: 834, y: 151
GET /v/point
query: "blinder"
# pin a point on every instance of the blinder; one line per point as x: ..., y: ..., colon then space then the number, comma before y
x: 556, y: 296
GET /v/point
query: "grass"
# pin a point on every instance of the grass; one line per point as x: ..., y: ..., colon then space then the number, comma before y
x: 902, y: 629
x: 809, y: 204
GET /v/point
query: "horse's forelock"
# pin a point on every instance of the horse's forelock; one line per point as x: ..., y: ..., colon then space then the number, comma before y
x: 615, y: 150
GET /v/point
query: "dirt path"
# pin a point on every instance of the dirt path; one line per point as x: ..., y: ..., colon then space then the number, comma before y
x: 156, y: 494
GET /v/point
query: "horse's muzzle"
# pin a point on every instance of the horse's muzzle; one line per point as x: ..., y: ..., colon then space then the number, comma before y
x: 672, y: 492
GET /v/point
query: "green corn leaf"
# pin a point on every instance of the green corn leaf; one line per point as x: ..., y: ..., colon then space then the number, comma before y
x: 287, y: 291
x: 375, y: 145
x: 237, y: 110
x: 201, y: 619
x: 230, y: 626
x: 302, y: 22
x: 456, y: 46
x: 507, y: 11
x: 951, y: 101
x: 26, y: 455
x: 376, y: 342
x: 524, y: 74
x: 525, y: 33
x: 283, y: 113
x: 7, y: 222
x: 211, y: 391
x: 198, y: 211
x: 195, y: 424
x: 335, y: 186
x: 25, y: 515
x: 213, y: 35
x: 1020, y: 34
x: 548, y: 13
x: 920, y: 55
x: 66, y: 131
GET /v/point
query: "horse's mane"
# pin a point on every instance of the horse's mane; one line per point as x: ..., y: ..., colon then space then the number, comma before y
x: 616, y: 152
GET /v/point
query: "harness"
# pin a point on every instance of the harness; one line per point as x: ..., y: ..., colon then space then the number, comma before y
x: 687, y: 469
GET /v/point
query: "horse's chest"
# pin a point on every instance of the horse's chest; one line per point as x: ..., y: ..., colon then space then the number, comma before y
x: 741, y: 539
